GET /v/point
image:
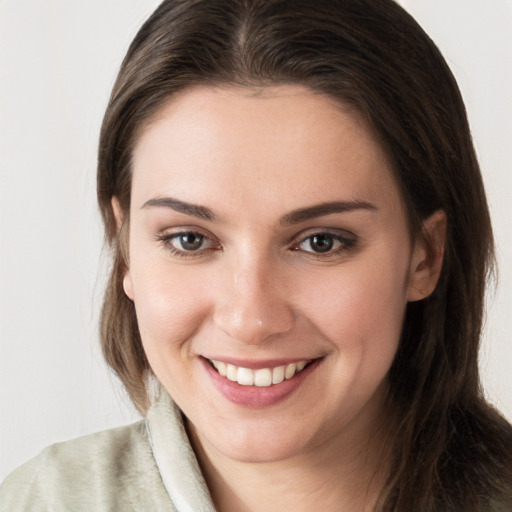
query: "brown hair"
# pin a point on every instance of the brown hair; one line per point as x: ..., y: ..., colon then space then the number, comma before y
x: 452, y: 449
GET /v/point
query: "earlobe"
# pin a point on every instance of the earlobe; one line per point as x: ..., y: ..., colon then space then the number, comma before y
x: 119, y: 218
x: 427, y: 258
x: 127, y: 285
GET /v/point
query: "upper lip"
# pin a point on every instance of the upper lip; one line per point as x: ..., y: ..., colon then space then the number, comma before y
x: 257, y: 364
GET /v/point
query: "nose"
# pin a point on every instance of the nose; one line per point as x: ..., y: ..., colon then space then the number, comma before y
x: 252, y: 307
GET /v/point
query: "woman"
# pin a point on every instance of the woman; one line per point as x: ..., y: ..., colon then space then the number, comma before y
x: 301, y: 241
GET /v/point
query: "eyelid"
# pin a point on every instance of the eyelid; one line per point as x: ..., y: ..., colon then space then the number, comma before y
x: 336, y: 232
x: 165, y: 236
x: 177, y: 230
x: 347, y: 239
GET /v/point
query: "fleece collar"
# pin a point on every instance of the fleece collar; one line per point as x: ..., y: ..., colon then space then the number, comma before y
x: 175, y: 458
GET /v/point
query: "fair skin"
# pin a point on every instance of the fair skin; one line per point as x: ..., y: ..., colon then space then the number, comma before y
x: 266, y: 232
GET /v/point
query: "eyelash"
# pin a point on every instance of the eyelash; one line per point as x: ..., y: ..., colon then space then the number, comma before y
x: 344, y: 242
x: 166, y: 239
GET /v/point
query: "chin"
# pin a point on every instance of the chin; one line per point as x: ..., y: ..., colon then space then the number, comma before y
x: 256, y: 452
x: 258, y: 444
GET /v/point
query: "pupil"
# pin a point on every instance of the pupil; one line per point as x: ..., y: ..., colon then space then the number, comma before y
x: 191, y: 241
x: 322, y: 243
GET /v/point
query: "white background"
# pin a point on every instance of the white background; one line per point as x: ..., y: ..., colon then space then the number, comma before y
x: 58, y: 61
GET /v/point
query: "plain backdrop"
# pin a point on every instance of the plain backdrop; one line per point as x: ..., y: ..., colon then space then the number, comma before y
x: 58, y: 61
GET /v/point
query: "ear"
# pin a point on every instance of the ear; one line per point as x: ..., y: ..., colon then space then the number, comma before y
x: 118, y: 212
x: 127, y: 285
x: 119, y: 217
x: 427, y: 258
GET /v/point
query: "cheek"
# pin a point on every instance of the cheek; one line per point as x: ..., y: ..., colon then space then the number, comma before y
x: 360, y: 308
x: 169, y: 302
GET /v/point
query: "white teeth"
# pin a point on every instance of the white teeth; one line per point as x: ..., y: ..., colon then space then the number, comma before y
x: 220, y: 366
x: 278, y: 374
x: 245, y: 377
x: 290, y: 371
x: 231, y: 372
x: 263, y: 377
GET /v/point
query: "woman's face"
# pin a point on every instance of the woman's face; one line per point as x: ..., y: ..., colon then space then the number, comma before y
x: 267, y: 233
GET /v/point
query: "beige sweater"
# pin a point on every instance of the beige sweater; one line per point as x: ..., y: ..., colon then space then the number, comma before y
x: 148, y: 466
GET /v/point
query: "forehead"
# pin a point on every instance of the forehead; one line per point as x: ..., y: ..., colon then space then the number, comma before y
x: 284, y: 144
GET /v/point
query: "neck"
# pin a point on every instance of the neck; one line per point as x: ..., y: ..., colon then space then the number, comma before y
x: 342, y: 474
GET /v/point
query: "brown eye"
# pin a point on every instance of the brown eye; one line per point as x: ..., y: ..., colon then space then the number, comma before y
x: 188, y: 244
x: 188, y: 241
x: 324, y: 244
x: 320, y: 243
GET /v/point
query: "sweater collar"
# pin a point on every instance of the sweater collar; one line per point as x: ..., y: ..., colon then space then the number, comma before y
x: 175, y: 457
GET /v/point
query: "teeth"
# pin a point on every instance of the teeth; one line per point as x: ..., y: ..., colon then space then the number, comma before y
x: 220, y: 366
x: 263, y: 377
x: 231, y: 372
x: 278, y: 374
x: 290, y: 371
x: 245, y: 377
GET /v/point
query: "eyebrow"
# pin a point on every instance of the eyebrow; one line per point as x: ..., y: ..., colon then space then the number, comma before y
x: 201, y: 212
x: 319, y: 210
x: 294, y: 217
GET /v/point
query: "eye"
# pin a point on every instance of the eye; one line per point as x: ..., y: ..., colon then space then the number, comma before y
x: 188, y: 241
x: 325, y: 244
x: 322, y: 242
x: 187, y: 244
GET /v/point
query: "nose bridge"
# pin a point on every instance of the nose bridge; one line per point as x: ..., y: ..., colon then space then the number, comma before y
x: 253, y: 307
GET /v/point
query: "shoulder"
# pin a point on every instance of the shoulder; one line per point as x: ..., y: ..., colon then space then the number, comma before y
x: 109, y: 470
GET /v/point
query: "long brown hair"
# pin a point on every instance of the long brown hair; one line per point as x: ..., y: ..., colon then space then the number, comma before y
x: 452, y: 450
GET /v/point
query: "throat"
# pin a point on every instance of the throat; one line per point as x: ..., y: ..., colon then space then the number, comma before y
x: 340, y: 483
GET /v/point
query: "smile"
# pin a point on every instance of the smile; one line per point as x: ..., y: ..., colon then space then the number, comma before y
x: 262, y: 377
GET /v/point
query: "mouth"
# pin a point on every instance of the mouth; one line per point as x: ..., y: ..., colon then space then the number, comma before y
x: 265, y: 384
x: 261, y: 377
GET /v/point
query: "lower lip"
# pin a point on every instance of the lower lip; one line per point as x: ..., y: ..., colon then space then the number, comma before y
x: 254, y: 396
